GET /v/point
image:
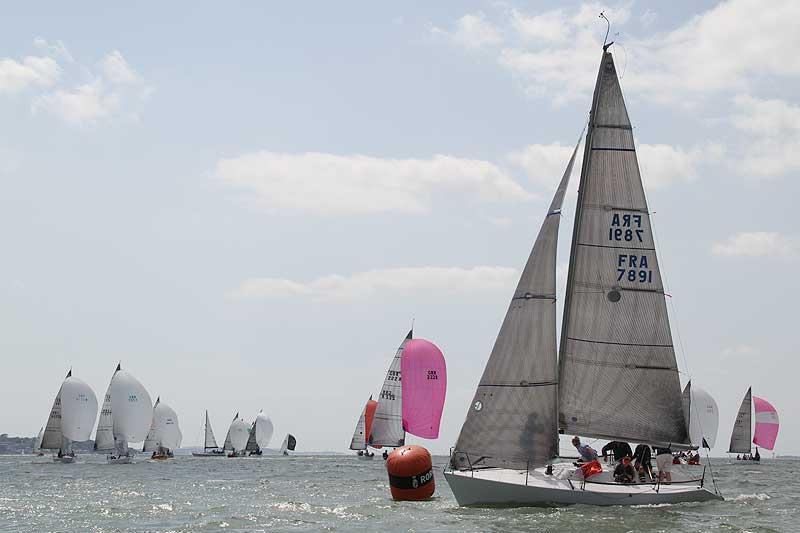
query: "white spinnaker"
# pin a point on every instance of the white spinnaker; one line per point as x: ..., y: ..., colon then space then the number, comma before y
x: 703, y: 418
x: 78, y: 409
x: 264, y: 430
x: 131, y: 406
x: 167, y: 425
x: 239, y: 433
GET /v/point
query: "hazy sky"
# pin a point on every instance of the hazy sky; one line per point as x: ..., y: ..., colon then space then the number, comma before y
x: 248, y: 203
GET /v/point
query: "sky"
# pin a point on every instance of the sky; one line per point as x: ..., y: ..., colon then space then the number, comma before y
x: 247, y: 205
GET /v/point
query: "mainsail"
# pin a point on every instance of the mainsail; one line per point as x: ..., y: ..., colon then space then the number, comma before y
x: 209, y: 441
x: 424, y: 388
x: 387, y: 428
x: 618, y: 377
x: 364, y: 426
x: 512, y: 420
x: 742, y: 429
x: 767, y: 424
x: 104, y: 437
x: 51, y: 440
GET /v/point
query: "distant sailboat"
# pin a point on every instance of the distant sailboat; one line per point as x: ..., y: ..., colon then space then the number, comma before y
x: 702, y: 416
x: 165, y: 434
x: 615, y: 376
x: 210, y: 448
x: 125, y: 417
x: 71, y: 419
x: 236, y: 439
x: 37, y: 445
x: 289, y: 444
x: 260, y: 434
x: 387, y: 426
x: 363, y: 430
x: 767, y: 425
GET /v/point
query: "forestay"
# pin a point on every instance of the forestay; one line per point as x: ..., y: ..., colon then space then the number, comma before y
x: 742, y: 428
x: 618, y: 377
x: 512, y: 420
x: 387, y: 428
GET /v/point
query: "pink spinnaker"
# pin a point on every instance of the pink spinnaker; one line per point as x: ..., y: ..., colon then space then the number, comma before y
x: 767, y: 424
x: 424, y: 379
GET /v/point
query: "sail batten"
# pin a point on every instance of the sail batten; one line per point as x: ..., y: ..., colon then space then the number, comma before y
x: 618, y: 375
x: 512, y: 420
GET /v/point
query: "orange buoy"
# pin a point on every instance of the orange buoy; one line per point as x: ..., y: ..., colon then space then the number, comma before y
x: 410, y: 473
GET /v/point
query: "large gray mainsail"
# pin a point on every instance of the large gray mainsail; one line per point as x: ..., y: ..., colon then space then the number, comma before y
x: 104, y: 437
x: 387, y: 426
x: 743, y: 428
x: 512, y: 420
x: 252, y: 445
x: 618, y: 377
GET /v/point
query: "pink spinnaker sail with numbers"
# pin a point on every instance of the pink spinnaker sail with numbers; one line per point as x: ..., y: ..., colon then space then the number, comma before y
x: 424, y: 382
x: 767, y: 423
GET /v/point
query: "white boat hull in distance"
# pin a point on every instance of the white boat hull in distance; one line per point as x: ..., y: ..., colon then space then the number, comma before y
x: 124, y: 460
x: 365, y: 457
x: 67, y: 459
x: 512, y: 488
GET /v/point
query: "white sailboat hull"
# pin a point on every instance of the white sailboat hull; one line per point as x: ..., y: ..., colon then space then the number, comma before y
x: 505, y: 487
x: 67, y: 459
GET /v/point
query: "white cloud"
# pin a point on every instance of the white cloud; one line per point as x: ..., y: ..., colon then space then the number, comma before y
x: 724, y: 49
x: 472, y: 31
x: 544, y: 164
x: 773, y: 131
x: 755, y: 244
x: 39, y: 71
x: 357, y: 184
x: 118, y: 90
x: 363, y: 285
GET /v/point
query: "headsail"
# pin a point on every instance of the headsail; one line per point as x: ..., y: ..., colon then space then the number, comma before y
x: 618, y: 377
x: 387, y: 429
x: 210, y: 441
x: 364, y: 426
x: 289, y: 443
x: 742, y: 428
x: 424, y: 387
x: 767, y: 423
x: 104, y: 437
x: 513, y: 418
x: 78, y: 409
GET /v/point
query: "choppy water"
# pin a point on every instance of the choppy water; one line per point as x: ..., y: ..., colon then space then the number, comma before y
x: 341, y: 493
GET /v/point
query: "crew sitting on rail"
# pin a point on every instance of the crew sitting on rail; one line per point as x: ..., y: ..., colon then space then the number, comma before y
x: 586, y: 452
x: 618, y: 448
x: 624, y: 472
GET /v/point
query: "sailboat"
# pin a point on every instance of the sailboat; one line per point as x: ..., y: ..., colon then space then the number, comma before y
x: 615, y: 375
x: 236, y: 439
x: 767, y: 425
x: 260, y: 434
x: 387, y: 425
x: 125, y: 417
x: 289, y: 444
x: 37, y: 444
x: 165, y: 434
x: 71, y: 419
x: 210, y: 448
x: 363, y: 430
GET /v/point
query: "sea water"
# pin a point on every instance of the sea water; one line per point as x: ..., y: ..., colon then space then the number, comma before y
x: 342, y: 493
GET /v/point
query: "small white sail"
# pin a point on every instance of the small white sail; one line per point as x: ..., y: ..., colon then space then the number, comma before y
x: 37, y: 445
x: 210, y: 441
x: 239, y: 433
x: 702, y: 415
